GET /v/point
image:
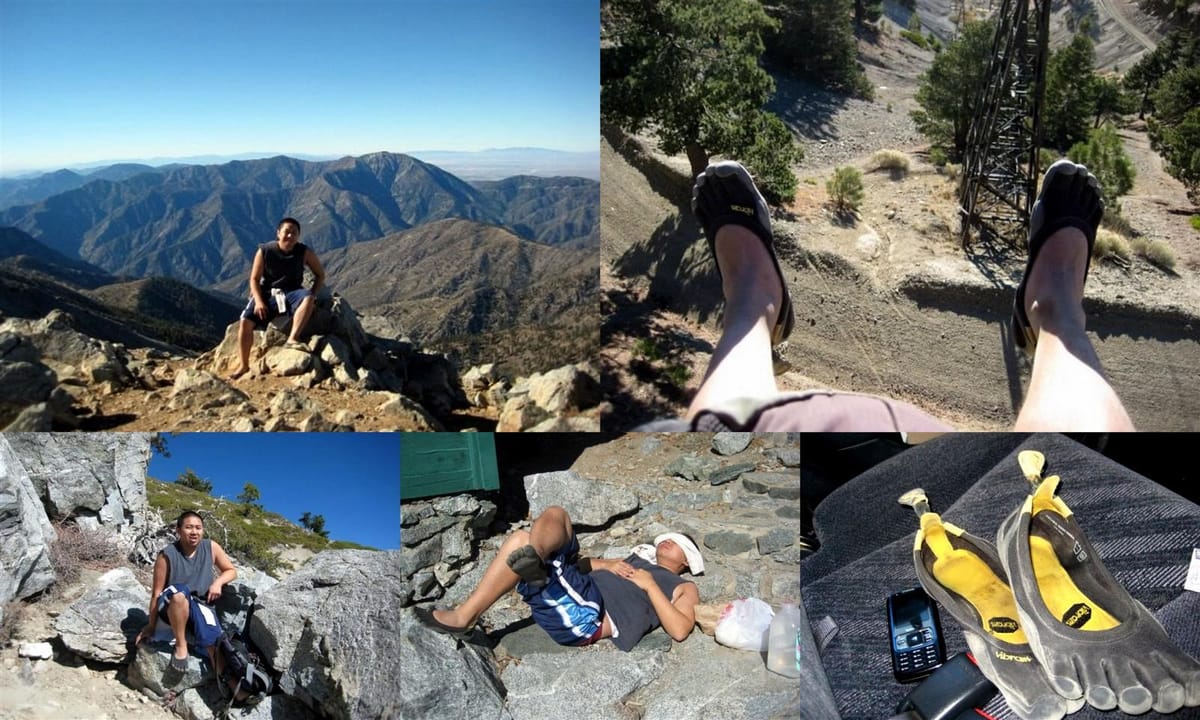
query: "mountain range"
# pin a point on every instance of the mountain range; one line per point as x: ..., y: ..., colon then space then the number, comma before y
x: 400, y: 237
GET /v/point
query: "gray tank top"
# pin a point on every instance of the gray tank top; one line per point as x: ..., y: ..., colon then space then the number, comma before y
x: 628, y: 605
x: 196, y: 571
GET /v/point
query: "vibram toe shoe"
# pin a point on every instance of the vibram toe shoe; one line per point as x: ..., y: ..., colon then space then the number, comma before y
x: 964, y: 574
x: 1094, y: 640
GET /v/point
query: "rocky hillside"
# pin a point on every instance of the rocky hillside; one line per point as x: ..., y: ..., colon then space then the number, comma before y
x: 201, y: 224
x: 737, y: 495
x: 469, y: 287
x: 29, y: 190
x: 317, y: 632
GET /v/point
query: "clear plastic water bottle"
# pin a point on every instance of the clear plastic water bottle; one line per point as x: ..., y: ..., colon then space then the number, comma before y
x: 782, y: 643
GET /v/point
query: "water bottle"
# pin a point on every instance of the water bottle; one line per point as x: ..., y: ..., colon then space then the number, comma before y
x: 782, y: 643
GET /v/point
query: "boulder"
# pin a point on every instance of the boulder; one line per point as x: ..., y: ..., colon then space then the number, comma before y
x: 726, y: 473
x: 785, y: 456
x: 150, y: 670
x: 432, y: 380
x: 519, y: 413
x: 103, y: 623
x: 407, y: 411
x: 97, y: 479
x: 70, y: 353
x: 586, y: 685
x: 444, y: 677
x: 588, y: 502
x: 778, y: 485
x: 24, y: 379
x: 333, y: 631
x: 728, y: 542
x: 288, y: 362
x: 564, y: 388
x: 578, y: 423
x: 776, y: 540
x: 691, y: 466
x: 237, y: 598
x: 731, y: 443
x: 35, y: 650
x: 205, y: 703
x: 25, y: 532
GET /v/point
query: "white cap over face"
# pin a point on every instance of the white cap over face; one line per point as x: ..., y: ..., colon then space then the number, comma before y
x: 695, y: 560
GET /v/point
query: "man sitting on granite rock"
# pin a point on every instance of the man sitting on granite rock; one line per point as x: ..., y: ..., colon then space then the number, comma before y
x: 579, y: 600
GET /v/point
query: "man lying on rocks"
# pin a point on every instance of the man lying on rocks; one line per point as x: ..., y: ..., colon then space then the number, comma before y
x: 579, y: 600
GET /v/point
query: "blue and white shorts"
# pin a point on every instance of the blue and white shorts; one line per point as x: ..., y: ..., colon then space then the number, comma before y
x: 293, y: 299
x: 569, y: 606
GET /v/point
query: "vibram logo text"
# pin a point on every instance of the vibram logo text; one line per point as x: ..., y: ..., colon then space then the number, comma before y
x: 1077, y: 615
x: 1003, y: 625
x: 1000, y: 654
x: 742, y: 209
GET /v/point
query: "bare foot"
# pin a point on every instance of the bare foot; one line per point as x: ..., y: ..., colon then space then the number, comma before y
x: 240, y: 372
x: 451, y: 618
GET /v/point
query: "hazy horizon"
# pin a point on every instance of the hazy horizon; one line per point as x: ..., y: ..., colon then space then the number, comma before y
x: 93, y: 84
x: 216, y: 159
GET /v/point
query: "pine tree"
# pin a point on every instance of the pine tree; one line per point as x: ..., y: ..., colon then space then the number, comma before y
x: 815, y: 40
x: 1105, y: 157
x: 690, y: 69
x: 1175, y: 127
x: 1070, y: 99
x: 188, y: 478
x: 948, y: 91
x: 249, y: 498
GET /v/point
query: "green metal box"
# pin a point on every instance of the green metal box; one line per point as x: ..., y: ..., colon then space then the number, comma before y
x: 444, y: 463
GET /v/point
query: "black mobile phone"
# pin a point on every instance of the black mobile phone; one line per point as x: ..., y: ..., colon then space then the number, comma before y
x: 916, y: 635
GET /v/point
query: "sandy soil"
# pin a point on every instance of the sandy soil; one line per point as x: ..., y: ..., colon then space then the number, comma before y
x: 65, y: 688
x: 889, y: 304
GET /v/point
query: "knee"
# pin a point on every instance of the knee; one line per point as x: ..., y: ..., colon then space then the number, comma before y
x: 555, y: 511
x: 179, y: 601
x: 520, y: 537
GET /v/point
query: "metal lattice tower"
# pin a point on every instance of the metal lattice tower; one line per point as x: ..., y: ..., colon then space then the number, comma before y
x: 1000, y: 167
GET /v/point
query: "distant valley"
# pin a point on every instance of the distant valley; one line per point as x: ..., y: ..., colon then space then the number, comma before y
x: 400, y: 237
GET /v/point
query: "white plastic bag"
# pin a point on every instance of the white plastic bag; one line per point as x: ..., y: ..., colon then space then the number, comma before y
x: 744, y: 624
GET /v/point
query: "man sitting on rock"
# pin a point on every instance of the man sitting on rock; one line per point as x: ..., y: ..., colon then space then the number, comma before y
x: 579, y: 601
x: 277, y: 287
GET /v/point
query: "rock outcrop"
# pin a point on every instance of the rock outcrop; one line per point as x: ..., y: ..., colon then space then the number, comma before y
x: 439, y: 540
x: 443, y: 677
x: 565, y: 399
x: 102, y: 624
x: 96, y: 479
x: 333, y: 631
x: 54, y: 377
x: 25, y: 532
x: 589, y: 502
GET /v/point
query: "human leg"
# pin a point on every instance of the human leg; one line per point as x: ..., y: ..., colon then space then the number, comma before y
x: 177, y: 616
x: 551, y: 531
x: 245, y: 340
x: 497, y: 580
x: 301, y: 315
x: 758, y: 312
x: 741, y: 364
x: 1067, y: 389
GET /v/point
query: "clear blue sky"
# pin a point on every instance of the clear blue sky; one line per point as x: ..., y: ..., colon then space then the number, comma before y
x: 96, y: 80
x: 353, y: 479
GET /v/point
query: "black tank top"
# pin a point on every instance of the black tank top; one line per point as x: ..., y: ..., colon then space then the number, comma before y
x: 283, y: 270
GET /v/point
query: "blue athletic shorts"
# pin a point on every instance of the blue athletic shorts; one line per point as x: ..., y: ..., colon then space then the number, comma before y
x: 569, y: 608
x: 293, y: 298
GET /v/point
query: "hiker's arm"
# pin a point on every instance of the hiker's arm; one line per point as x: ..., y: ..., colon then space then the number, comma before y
x: 228, y: 572
x: 160, y: 582
x: 599, y: 564
x: 256, y: 273
x: 310, y: 259
x: 678, y: 617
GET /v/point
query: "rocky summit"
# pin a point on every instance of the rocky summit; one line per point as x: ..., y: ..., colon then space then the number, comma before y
x: 329, y: 634
x: 621, y: 493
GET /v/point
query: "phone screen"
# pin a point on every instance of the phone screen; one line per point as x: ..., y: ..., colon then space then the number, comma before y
x: 912, y: 621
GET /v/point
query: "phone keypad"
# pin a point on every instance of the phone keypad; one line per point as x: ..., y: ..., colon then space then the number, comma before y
x: 921, y: 658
